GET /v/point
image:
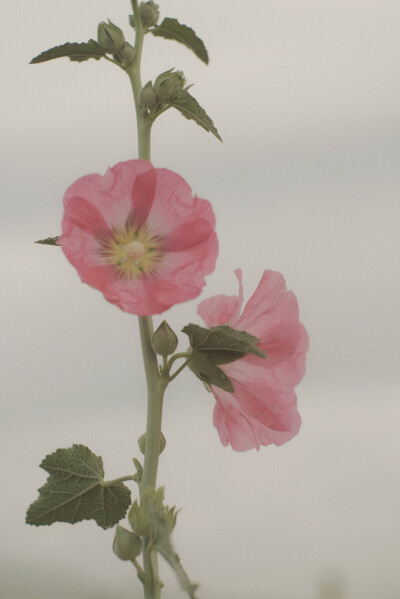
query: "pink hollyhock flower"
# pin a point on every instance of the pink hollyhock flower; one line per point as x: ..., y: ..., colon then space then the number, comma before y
x: 139, y: 236
x: 263, y: 408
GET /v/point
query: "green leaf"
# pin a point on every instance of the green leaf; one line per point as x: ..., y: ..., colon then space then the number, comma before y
x: 209, y: 373
x: 74, y: 491
x: 74, y: 51
x: 191, y: 109
x: 223, y: 341
x: 49, y: 240
x: 215, y: 346
x: 171, y: 29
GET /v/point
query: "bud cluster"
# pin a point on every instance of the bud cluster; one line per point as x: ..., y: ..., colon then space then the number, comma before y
x: 112, y: 39
x: 158, y: 95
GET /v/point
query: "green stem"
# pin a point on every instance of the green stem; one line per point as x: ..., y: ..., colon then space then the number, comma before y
x: 155, y: 387
x: 143, y: 121
x: 187, y: 355
x: 155, y: 383
x: 116, y: 481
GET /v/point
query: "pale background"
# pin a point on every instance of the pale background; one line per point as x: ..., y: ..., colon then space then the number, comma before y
x: 305, y: 94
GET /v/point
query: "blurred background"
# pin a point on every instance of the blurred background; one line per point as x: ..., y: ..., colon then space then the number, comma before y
x: 305, y: 94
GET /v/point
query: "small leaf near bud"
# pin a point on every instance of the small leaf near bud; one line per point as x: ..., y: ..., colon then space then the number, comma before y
x: 149, y: 13
x: 142, y: 443
x: 127, y: 545
x: 164, y: 341
x: 110, y: 37
x: 147, y: 97
x: 167, y: 83
x: 126, y: 56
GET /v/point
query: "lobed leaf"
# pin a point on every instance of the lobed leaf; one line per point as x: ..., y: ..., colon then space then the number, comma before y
x: 74, y: 51
x: 171, y: 29
x: 191, y: 109
x: 74, y: 491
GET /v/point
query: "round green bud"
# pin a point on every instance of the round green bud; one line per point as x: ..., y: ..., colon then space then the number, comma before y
x: 127, y: 545
x: 149, y: 13
x: 142, y: 443
x: 110, y: 37
x: 147, y: 97
x: 167, y: 82
x: 126, y: 55
x: 164, y: 340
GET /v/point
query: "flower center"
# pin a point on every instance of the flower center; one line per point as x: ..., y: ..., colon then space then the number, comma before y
x: 135, y: 250
x: 132, y: 252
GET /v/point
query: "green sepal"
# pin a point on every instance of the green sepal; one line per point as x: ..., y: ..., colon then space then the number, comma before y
x: 223, y: 341
x: 49, y: 240
x: 191, y: 109
x: 74, y: 491
x: 74, y: 51
x: 209, y: 373
x: 171, y: 29
x: 218, y: 345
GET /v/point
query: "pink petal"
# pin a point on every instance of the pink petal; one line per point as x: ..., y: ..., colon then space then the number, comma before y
x: 260, y: 393
x: 244, y: 432
x: 188, y: 235
x: 143, y: 191
x: 271, y: 314
x: 84, y: 215
x: 234, y: 428
x: 174, y: 205
x: 268, y: 294
x: 111, y: 193
x: 222, y: 309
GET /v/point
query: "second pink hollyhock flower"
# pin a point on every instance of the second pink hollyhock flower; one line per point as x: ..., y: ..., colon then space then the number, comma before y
x: 139, y: 236
x: 263, y: 408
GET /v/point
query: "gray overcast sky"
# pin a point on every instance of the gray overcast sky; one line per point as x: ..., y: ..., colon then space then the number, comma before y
x: 305, y: 94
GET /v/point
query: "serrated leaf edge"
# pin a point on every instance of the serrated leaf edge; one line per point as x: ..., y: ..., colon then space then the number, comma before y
x: 179, y: 39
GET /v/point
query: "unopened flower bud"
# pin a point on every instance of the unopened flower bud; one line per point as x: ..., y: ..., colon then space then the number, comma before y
x: 167, y: 82
x: 127, y: 545
x: 164, y: 340
x: 148, y: 97
x: 149, y: 13
x: 110, y: 37
x: 126, y: 55
x: 142, y: 443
